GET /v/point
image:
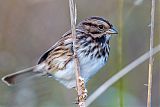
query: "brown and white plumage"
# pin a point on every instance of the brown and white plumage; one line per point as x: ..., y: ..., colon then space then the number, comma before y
x: 92, y: 43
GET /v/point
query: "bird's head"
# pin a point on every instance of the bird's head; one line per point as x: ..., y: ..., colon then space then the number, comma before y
x: 97, y: 27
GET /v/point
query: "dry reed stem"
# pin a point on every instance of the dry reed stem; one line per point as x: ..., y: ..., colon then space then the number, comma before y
x: 151, y: 58
x: 120, y: 74
x: 73, y: 16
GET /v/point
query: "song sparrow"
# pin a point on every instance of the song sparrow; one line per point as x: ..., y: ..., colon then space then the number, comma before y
x: 92, y: 43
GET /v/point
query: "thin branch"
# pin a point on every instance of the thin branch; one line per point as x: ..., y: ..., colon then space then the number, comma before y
x: 73, y: 16
x: 120, y: 74
x: 151, y: 58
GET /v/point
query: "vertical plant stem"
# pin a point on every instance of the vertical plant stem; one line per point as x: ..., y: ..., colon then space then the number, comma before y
x: 151, y: 58
x: 159, y: 55
x: 121, y: 4
x: 73, y: 16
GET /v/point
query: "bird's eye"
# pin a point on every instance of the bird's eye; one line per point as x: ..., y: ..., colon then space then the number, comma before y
x: 101, y: 27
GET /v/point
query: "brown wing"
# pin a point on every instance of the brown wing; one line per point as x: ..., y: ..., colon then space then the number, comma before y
x: 58, y: 55
x: 45, y: 54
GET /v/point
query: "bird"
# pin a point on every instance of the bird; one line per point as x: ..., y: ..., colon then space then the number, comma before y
x: 93, y: 36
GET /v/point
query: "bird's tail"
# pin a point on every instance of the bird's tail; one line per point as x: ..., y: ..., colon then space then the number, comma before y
x: 22, y: 75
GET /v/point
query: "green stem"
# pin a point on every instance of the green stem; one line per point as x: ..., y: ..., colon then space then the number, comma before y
x: 120, y: 84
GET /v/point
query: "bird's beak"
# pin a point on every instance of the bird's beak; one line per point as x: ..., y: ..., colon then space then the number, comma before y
x: 112, y: 30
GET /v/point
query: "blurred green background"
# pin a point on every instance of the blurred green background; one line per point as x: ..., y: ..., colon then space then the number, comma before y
x: 30, y: 27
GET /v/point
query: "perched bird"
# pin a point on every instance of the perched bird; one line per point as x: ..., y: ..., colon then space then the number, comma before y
x: 92, y: 44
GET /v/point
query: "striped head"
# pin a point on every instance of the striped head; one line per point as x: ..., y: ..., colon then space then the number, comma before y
x: 97, y: 27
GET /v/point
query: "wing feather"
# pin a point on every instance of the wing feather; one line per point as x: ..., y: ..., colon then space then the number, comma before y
x: 59, y: 54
